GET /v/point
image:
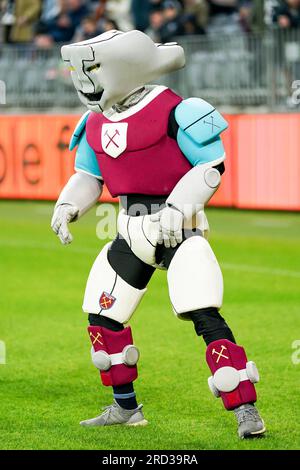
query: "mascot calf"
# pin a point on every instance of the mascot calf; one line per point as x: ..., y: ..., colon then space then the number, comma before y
x: 163, y: 156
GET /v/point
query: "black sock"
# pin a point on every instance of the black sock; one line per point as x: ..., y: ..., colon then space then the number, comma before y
x: 125, y: 396
x: 98, y: 320
x: 209, y: 324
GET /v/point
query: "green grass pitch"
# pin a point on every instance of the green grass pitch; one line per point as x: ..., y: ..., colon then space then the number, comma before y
x: 49, y: 384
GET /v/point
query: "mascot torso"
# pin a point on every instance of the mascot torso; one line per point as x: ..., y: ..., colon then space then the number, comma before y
x: 133, y: 149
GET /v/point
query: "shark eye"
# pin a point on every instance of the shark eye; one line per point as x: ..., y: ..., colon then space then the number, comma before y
x: 93, y: 68
x: 71, y: 68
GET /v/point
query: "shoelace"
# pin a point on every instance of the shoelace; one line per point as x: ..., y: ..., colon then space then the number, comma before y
x: 247, y: 414
x: 107, y: 410
x: 108, y: 407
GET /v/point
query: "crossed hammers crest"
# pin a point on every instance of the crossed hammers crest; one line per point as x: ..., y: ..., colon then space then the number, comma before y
x: 95, y: 339
x: 111, y: 138
x: 220, y: 354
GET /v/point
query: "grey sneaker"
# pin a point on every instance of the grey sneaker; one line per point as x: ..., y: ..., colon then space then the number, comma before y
x: 250, y: 423
x: 115, y: 414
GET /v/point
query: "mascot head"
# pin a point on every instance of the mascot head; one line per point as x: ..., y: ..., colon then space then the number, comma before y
x: 107, y: 68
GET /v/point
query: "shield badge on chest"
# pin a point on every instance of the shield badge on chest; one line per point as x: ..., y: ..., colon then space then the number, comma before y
x: 114, y: 138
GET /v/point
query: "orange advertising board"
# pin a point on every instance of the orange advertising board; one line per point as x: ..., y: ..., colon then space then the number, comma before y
x: 262, y: 159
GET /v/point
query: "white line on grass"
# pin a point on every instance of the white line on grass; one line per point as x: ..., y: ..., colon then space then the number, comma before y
x: 81, y: 250
x: 272, y: 223
x: 46, y: 246
x: 261, y: 270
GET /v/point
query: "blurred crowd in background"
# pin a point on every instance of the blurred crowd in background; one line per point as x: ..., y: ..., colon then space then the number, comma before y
x: 46, y: 22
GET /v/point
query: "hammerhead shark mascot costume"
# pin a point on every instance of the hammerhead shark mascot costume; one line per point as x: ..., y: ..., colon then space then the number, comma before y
x: 163, y: 156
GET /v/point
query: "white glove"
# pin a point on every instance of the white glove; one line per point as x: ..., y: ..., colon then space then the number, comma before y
x: 170, y: 226
x: 63, y: 214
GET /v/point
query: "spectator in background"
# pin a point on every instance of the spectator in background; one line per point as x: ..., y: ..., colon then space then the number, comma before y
x: 190, y: 26
x: 100, y: 9
x: 222, y: 7
x: 50, y: 10
x: 26, y: 13
x: 88, y: 29
x: 155, y: 4
x: 63, y: 27
x: 76, y: 10
x: 109, y: 24
x: 257, y: 19
x: 169, y: 20
x: 162, y: 20
x: 245, y: 15
x: 267, y: 8
x: 120, y: 12
x: 7, y: 7
x: 156, y: 20
x: 224, y: 16
x: 261, y: 14
x: 199, y: 9
x: 287, y: 15
x: 172, y: 21
x: 141, y: 14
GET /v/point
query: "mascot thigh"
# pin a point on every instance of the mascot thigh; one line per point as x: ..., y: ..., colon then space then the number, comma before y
x: 194, y: 277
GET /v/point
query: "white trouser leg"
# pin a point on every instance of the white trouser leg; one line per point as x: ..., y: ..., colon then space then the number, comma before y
x: 108, y: 294
x: 194, y: 277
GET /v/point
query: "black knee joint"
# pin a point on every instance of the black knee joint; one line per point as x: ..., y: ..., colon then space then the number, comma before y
x: 211, y: 325
x: 100, y: 320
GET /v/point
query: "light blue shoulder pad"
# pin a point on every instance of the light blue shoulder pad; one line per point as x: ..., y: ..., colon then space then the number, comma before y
x: 200, y: 126
x: 85, y: 159
x: 78, y: 130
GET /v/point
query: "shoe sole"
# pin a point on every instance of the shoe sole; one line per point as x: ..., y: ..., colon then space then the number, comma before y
x: 255, y: 433
x: 144, y: 422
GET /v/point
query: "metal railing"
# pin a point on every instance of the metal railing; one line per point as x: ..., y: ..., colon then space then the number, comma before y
x: 231, y: 70
x: 244, y: 70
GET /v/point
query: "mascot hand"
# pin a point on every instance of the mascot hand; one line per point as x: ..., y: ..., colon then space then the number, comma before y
x: 63, y: 214
x: 170, y: 225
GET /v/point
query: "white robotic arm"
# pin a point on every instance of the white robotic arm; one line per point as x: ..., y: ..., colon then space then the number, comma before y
x: 198, y: 136
x: 81, y: 192
x: 188, y: 198
x: 195, y: 189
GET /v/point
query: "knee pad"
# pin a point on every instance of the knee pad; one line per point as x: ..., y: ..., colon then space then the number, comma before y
x: 114, y: 354
x: 233, y: 376
x: 108, y: 294
x: 194, y: 277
